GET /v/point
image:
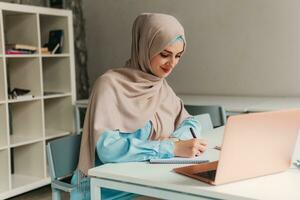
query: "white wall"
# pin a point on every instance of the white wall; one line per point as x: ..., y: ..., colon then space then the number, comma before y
x: 235, y: 47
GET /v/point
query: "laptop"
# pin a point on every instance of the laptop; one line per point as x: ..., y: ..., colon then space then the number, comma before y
x: 254, y: 145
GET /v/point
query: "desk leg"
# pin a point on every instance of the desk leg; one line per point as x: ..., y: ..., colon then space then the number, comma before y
x: 95, y: 190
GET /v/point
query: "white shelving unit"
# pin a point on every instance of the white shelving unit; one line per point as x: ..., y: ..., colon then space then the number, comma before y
x: 26, y: 125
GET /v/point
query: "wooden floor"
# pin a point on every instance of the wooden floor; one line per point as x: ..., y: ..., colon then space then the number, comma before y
x: 43, y: 193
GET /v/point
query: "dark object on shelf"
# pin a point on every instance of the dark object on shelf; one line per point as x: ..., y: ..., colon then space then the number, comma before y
x: 18, y: 92
x: 56, y: 3
x: 55, y: 41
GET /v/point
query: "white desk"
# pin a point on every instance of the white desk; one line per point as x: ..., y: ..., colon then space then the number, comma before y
x: 243, y: 104
x: 160, y: 181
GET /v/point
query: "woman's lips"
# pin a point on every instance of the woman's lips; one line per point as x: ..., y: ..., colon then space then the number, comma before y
x: 166, y: 70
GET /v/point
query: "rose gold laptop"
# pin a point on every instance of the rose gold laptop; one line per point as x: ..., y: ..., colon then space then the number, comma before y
x: 253, y: 145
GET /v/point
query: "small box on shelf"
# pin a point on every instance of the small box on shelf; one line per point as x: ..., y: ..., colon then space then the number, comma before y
x: 4, y: 170
x: 27, y: 164
x: 45, y: 51
x: 20, y: 28
x: 3, y: 125
x: 25, y: 122
x: 24, y: 73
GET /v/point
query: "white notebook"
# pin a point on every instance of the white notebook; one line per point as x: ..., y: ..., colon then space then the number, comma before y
x: 179, y: 160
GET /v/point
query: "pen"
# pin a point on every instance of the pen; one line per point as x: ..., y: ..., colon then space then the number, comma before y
x: 193, y: 133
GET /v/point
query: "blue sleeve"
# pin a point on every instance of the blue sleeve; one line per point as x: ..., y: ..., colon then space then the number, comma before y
x: 183, y: 131
x: 116, y: 146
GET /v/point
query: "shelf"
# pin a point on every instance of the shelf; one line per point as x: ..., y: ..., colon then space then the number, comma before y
x: 17, y: 140
x: 4, y: 171
x: 2, y: 81
x: 56, y: 75
x: 25, y: 121
x: 48, y: 22
x: 55, y: 55
x: 33, y: 170
x: 51, y: 134
x: 59, y: 116
x: 47, y: 111
x: 24, y: 73
x: 51, y: 96
x: 23, y: 100
x: 3, y: 126
x: 18, y: 22
x: 21, y: 180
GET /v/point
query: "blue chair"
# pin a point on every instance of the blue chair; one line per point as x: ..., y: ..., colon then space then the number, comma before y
x: 217, y: 113
x: 63, y: 155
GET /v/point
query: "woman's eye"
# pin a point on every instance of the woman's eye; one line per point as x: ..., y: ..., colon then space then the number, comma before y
x: 178, y: 56
x: 164, y: 55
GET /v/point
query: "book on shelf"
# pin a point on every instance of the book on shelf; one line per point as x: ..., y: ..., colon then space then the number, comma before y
x: 21, y: 47
x: 17, y: 52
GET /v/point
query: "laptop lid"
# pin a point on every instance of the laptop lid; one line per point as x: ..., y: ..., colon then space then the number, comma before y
x: 257, y: 144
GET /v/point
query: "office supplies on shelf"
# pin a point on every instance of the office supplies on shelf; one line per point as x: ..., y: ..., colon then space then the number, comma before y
x: 179, y: 160
x: 19, y: 93
x: 55, y: 49
x: 55, y: 41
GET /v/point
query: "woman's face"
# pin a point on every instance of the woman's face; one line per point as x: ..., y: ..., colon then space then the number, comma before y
x: 163, y: 63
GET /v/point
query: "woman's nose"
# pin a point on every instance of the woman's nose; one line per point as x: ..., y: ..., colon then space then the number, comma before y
x: 172, y: 62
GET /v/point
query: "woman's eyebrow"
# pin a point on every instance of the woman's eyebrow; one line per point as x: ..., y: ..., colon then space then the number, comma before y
x: 170, y: 52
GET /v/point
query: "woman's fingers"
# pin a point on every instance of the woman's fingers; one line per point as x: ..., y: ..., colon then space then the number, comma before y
x: 202, y: 148
x: 202, y: 145
x: 203, y: 142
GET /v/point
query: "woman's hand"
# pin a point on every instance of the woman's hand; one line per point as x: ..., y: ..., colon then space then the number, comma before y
x: 190, y: 148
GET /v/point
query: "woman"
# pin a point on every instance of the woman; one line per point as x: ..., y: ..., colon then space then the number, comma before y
x: 133, y: 114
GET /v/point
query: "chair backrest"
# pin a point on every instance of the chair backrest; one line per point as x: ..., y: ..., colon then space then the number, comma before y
x: 205, y: 121
x: 217, y: 113
x: 63, y: 155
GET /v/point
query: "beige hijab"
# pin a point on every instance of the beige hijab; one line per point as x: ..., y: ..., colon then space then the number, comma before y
x: 127, y: 98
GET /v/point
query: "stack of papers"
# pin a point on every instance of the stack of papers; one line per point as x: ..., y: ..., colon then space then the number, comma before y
x: 179, y: 160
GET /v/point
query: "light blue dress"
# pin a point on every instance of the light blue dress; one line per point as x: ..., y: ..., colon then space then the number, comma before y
x: 116, y: 146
